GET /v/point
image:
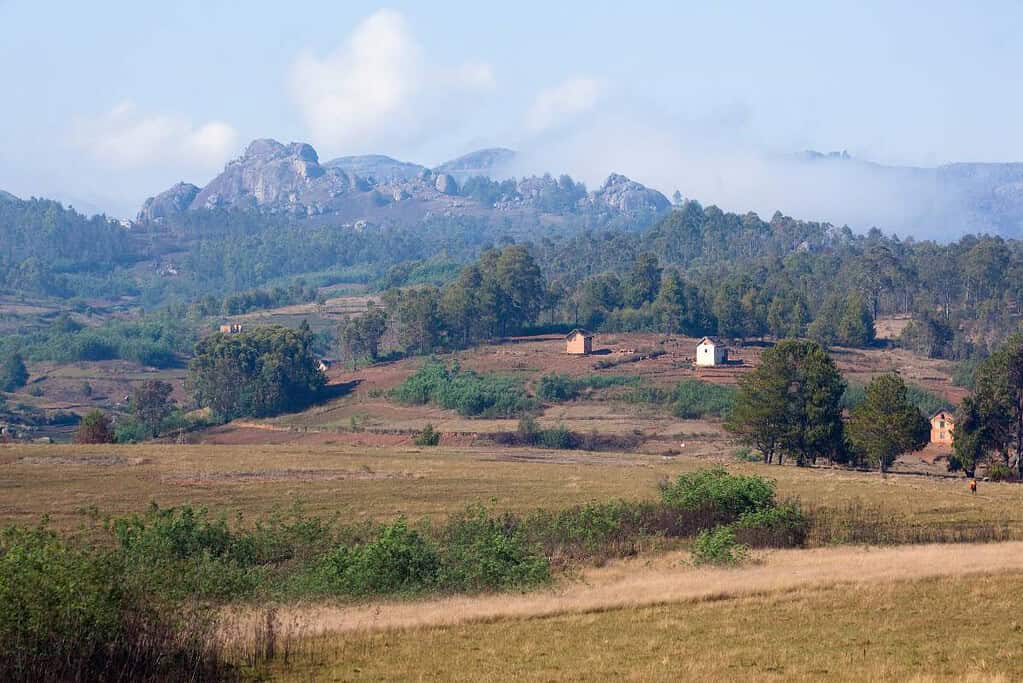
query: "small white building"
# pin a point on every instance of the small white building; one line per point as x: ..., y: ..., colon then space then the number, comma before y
x: 711, y: 352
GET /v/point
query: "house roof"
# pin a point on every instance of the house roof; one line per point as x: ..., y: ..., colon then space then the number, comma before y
x: 711, y: 340
x: 579, y: 330
x: 946, y: 413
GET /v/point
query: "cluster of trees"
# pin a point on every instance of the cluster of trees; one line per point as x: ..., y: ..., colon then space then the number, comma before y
x: 256, y: 373
x: 791, y: 406
x: 156, y: 340
x: 253, y: 300
x: 499, y: 295
x: 989, y: 423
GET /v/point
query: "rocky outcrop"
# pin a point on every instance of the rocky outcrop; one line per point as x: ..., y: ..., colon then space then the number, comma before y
x: 628, y: 196
x: 272, y: 177
x: 169, y: 202
x: 445, y: 184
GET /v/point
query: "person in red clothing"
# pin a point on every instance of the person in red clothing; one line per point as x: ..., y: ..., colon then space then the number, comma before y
x: 973, y: 486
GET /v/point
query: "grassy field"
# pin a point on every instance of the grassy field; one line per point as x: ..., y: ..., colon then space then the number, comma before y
x: 381, y: 482
x: 951, y: 628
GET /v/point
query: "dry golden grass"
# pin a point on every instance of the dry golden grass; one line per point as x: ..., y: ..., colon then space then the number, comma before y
x: 952, y: 628
x: 669, y: 578
x: 380, y: 483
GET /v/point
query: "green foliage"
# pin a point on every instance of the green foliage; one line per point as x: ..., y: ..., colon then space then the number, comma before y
x: 155, y: 340
x: 360, y: 337
x: 470, y: 394
x: 781, y: 526
x: 74, y: 613
x: 557, y: 388
x: 689, y: 399
x: 13, y: 373
x: 999, y: 471
x: 95, y: 427
x: 926, y: 402
x: 719, y: 546
x: 427, y: 437
x: 728, y: 495
x: 399, y: 560
x: 130, y: 430
x: 558, y: 438
x: 256, y: 373
x: 151, y: 405
x: 791, y: 404
x: 483, y: 552
x: 886, y: 423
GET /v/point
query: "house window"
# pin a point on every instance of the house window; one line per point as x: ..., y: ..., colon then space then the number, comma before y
x: 941, y: 424
x: 942, y: 434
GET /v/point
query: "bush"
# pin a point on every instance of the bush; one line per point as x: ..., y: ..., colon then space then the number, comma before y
x: 689, y: 399
x: 559, y: 438
x: 726, y: 496
x: 95, y: 427
x: 129, y: 430
x: 470, y: 394
x: 784, y: 526
x: 485, y: 553
x: 719, y: 547
x: 999, y: 471
x: 556, y: 388
x: 427, y: 437
x: 693, y: 399
x: 78, y: 614
x: 399, y: 560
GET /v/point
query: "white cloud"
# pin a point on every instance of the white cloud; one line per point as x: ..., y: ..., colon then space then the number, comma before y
x: 556, y: 105
x: 378, y: 86
x: 124, y: 137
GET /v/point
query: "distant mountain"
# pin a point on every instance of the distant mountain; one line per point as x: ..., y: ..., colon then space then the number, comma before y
x: 7, y: 196
x: 377, y: 166
x: 489, y: 163
x: 271, y: 177
x: 942, y: 201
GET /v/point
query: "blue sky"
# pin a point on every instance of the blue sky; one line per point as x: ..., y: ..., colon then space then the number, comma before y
x: 106, y: 103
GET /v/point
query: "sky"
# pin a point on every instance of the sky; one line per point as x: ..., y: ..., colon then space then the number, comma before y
x: 107, y: 103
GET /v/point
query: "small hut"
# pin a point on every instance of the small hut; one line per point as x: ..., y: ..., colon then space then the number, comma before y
x: 711, y: 352
x: 579, y: 342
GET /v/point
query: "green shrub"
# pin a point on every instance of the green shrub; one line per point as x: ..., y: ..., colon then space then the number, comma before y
x: 719, y: 546
x: 129, y: 430
x: 399, y: 560
x: 715, y: 490
x: 693, y: 399
x: 470, y: 394
x: 927, y: 402
x: 427, y: 437
x: 784, y: 526
x: 746, y: 454
x: 528, y: 432
x: 79, y: 614
x: 482, y: 552
x: 689, y: 399
x: 559, y: 438
x: 556, y: 388
x: 999, y: 471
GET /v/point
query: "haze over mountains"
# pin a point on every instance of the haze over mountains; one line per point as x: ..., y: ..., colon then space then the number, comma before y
x: 941, y: 202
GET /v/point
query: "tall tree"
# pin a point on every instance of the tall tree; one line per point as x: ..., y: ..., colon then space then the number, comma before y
x: 886, y: 423
x: 643, y: 281
x: 790, y: 404
x: 151, y: 404
x: 13, y: 373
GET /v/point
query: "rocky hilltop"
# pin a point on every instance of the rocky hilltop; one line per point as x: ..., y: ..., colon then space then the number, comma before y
x: 272, y: 177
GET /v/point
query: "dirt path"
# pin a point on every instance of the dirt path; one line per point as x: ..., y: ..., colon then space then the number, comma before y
x: 665, y: 579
